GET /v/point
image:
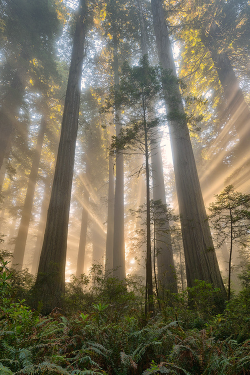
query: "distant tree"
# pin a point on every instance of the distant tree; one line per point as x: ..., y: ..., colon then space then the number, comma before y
x: 28, y: 31
x: 230, y: 218
x: 138, y: 86
x: 21, y: 239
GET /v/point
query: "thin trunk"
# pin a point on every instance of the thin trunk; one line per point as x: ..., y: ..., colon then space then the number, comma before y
x: 181, y: 271
x: 119, y: 245
x: 149, y: 305
x: 201, y: 261
x: 41, y: 227
x: 230, y: 255
x: 50, y: 283
x: 22, y: 235
x: 83, y: 235
x: 110, y: 220
x: 165, y: 262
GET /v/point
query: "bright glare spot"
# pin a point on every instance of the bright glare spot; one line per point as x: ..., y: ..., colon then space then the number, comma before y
x: 132, y: 261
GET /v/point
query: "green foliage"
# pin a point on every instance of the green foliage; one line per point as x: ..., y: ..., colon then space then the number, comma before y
x: 230, y: 218
x: 110, y: 335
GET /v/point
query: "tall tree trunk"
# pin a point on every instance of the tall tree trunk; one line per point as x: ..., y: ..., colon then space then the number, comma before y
x: 149, y: 305
x: 21, y: 239
x: 119, y: 245
x: 50, y: 282
x: 235, y: 104
x: 41, y: 227
x: 110, y: 220
x: 201, y: 261
x: 165, y: 262
x: 83, y: 234
x: 98, y: 242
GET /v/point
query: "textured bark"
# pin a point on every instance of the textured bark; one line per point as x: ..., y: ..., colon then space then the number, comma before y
x: 41, y: 227
x: 50, y: 283
x: 119, y: 245
x: 165, y: 262
x: 110, y: 220
x: 201, y: 261
x: 18, y: 254
x: 83, y: 235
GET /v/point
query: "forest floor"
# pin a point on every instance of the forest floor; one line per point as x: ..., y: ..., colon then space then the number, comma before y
x: 102, y: 329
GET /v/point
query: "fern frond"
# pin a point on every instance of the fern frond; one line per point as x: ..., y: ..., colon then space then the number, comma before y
x: 44, y: 367
x: 5, y: 370
x: 25, y: 357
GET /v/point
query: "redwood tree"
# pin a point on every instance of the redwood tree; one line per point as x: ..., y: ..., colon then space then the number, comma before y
x: 50, y: 283
x: 201, y: 261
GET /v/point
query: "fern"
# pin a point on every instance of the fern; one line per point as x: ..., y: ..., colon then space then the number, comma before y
x: 25, y: 357
x: 43, y: 368
x: 5, y: 370
x: 161, y: 368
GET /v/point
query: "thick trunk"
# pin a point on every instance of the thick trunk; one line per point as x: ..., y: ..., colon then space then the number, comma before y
x: 83, y: 235
x: 119, y: 245
x: 18, y: 255
x: 50, y: 283
x: 41, y: 227
x: 110, y: 220
x: 165, y: 263
x: 201, y: 261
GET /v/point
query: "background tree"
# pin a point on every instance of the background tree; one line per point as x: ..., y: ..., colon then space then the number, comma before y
x: 139, y: 85
x: 230, y: 217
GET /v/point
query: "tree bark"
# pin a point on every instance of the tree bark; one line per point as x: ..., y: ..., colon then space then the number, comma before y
x: 18, y: 254
x: 119, y: 245
x: 50, y: 282
x: 201, y: 261
x: 164, y: 252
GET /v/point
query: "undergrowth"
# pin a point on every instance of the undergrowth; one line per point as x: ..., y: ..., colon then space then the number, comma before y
x: 102, y: 330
